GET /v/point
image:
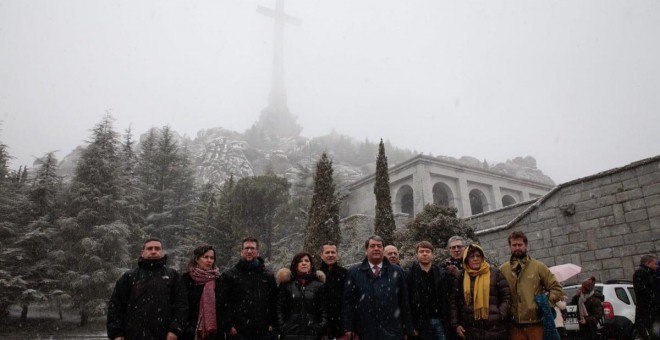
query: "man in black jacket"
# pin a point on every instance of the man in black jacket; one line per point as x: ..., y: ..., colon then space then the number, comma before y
x: 249, y: 293
x: 647, y: 311
x: 148, y: 302
x: 334, y: 287
x: 429, y: 291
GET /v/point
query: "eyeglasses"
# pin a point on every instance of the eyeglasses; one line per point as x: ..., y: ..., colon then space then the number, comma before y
x: 456, y: 247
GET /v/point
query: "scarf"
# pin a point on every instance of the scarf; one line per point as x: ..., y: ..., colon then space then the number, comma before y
x: 581, y: 307
x: 206, y: 321
x: 518, y: 264
x: 478, y: 298
x: 305, y: 278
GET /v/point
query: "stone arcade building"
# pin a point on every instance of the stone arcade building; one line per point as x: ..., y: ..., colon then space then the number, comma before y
x: 424, y: 179
x: 603, y: 222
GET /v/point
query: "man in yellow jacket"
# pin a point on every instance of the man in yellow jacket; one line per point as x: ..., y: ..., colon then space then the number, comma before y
x: 527, y: 277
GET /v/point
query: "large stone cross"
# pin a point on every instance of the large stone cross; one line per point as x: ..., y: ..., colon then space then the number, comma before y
x: 277, y: 98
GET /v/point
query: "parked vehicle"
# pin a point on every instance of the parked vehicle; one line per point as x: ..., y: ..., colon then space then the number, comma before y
x: 618, y: 310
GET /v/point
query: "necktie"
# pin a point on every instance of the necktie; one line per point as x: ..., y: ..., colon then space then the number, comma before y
x: 376, y: 271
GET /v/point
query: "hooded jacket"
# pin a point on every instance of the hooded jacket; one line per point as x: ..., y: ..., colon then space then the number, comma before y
x: 249, y: 295
x: 534, y: 278
x: 300, y: 309
x: 148, y: 302
x: 499, y: 307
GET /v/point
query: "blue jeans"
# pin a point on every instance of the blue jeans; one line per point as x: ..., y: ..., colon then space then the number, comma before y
x: 435, y: 330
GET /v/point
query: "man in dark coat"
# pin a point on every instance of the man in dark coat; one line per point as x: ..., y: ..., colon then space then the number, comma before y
x: 647, y: 310
x: 148, y: 302
x: 249, y: 293
x: 333, y: 290
x: 375, y: 303
x: 429, y: 292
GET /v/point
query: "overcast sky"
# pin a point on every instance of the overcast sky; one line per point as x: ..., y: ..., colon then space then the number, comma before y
x: 576, y: 84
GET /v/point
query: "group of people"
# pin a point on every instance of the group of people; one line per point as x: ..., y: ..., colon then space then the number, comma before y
x: 464, y: 297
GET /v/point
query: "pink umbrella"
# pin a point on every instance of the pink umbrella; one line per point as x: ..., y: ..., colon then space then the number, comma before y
x: 566, y: 271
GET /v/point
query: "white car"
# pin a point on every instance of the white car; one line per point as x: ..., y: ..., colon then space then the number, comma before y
x: 618, y: 310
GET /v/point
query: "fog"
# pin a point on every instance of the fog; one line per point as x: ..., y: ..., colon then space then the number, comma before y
x: 574, y: 84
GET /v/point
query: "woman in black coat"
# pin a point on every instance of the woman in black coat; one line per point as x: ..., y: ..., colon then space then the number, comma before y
x: 300, y: 310
x: 481, y: 304
x: 202, y: 281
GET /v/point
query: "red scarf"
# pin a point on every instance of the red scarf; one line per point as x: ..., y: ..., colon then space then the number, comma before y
x: 206, y: 322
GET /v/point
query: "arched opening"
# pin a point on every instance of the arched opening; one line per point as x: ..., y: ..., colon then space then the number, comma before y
x: 508, y: 200
x: 478, y: 201
x: 405, y: 199
x: 442, y: 194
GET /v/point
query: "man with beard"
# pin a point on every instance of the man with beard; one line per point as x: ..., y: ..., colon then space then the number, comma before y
x: 249, y: 293
x: 334, y: 287
x: 375, y: 303
x: 527, y: 277
x: 148, y: 302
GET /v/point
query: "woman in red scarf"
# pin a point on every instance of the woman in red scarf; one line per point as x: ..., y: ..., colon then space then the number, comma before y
x: 203, y: 285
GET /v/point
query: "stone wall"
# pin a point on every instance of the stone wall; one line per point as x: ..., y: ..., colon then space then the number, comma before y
x: 604, y: 222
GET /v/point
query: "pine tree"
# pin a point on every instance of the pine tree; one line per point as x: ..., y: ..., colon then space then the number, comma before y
x: 384, y: 220
x: 323, y: 220
x: 46, y: 187
x: 93, y: 242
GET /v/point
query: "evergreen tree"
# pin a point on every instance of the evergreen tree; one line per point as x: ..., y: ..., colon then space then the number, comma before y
x: 384, y: 220
x: 4, y: 163
x: 323, y: 220
x: 255, y: 205
x: 223, y: 234
x: 46, y: 187
x: 93, y: 242
x: 437, y: 223
x: 131, y: 204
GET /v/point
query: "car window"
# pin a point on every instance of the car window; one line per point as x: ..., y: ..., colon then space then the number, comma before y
x: 570, y: 292
x: 631, y: 290
x: 621, y: 295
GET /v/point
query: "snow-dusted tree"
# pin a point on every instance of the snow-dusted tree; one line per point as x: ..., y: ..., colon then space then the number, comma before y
x: 131, y: 203
x: 254, y: 205
x: 384, y: 220
x: 437, y: 223
x: 323, y: 217
x: 96, y: 215
x: 46, y: 187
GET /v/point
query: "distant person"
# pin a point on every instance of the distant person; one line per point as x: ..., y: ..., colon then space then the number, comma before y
x: 590, y: 310
x: 527, y: 277
x: 429, y: 293
x: 301, y: 313
x: 148, y: 302
x: 334, y: 288
x: 647, y: 310
x: 392, y: 254
x: 202, y: 281
x: 375, y: 304
x: 481, y: 306
x: 455, y: 246
x: 249, y: 293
